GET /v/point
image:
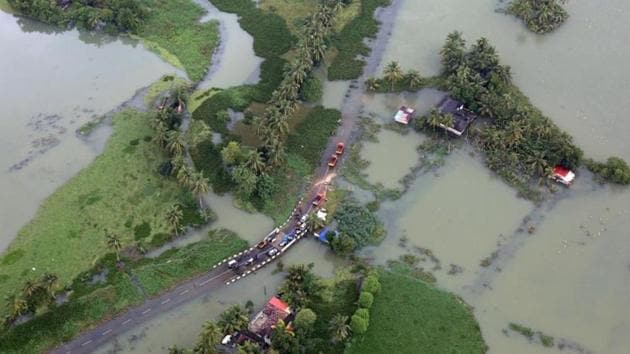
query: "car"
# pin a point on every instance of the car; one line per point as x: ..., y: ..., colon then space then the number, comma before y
x: 319, y: 198
x: 262, y: 244
x: 232, y: 264
x: 340, y: 148
x: 563, y: 175
x: 272, y: 252
x: 333, y: 161
x: 250, y: 260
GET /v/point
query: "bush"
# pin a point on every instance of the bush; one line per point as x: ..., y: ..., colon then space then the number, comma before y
x: 357, y: 222
x: 371, y: 284
x: 363, y: 313
x: 615, y: 170
x: 358, y: 324
x: 539, y: 16
x: 305, y: 319
x: 366, y: 299
x: 313, y: 90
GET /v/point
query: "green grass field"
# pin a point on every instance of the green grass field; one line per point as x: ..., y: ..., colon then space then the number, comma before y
x: 409, y: 316
x: 173, y: 26
x: 119, y: 191
x: 91, y: 303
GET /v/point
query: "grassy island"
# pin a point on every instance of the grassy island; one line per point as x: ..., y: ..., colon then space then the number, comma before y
x: 540, y: 16
x: 410, y: 316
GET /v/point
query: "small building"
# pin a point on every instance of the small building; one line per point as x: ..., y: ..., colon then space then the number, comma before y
x: 264, y: 321
x: 404, y: 115
x: 323, y: 234
x: 563, y: 175
x: 462, y: 117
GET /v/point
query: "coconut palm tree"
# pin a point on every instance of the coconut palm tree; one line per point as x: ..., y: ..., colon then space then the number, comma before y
x: 49, y: 283
x: 30, y: 288
x: 161, y: 134
x: 434, y: 119
x: 255, y: 162
x: 393, y: 73
x: 339, y: 328
x: 175, y: 142
x: 113, y: 242
x: 249, y: 348
x: 174, y: 216
x: 314, y: 223
x: 372, y: 84
x: 178, y: 162
x: 16, y: 307
x: 199, y: 186
x: 233, y: 320
x: 415, y: 80
x: 184, y: 175
x: 208, y: 339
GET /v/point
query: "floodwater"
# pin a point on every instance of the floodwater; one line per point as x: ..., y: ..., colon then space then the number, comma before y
x: 52, y: 83
x: 234, y: 62
x: 182, y: 325
x: 570, y: 276
x: 387, y: 166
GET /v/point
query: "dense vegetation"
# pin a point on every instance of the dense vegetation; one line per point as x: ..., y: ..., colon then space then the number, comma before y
x: 357, y: 226
x: 409, y: 316
x: 106, y: 290
x: 173, y: 26
x: 540, y: 16
x: 349, y: 43
x: 614, y: 170
x: 134, y: 215
x: 112, y: 16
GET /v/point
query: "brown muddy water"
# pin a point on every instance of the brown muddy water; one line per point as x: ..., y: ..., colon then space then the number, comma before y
x: 570, y: 277
x: 52, y: 83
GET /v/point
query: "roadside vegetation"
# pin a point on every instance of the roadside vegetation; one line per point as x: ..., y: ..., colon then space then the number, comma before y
x: 409, y: 316
x: 107, y: 289
x: 540, y: 16
x: 531, y: 335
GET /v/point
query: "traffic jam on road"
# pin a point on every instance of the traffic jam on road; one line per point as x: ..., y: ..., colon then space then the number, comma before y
x: 279, y: 240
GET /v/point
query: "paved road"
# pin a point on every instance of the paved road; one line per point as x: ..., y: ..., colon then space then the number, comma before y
x: 254, y: 258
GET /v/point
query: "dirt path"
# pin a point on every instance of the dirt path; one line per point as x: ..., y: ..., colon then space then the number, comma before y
x: 220, y: 275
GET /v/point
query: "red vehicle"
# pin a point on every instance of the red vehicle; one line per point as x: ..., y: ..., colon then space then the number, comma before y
x: 333, y: 161
x: 340, y: 148
x: 563, y: 175
x: 319, y: 198
x: 262, y: 244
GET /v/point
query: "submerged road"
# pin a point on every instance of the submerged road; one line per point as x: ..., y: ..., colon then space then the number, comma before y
x: 254, y: 258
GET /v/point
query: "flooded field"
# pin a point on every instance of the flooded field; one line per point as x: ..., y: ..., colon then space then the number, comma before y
x: 52, y: 83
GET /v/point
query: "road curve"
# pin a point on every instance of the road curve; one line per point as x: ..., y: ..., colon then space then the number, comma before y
x: 220, y: 274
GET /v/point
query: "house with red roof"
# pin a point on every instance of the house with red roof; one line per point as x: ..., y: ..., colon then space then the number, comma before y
x: 275, y: 309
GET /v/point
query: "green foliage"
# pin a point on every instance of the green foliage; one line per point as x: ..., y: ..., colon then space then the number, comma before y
x: 113, y: 16
x: 409, y: 316
x: 174, y: 26
x: 271, y: 34
x: 311, y: 135
x: 343, y: 244
x: 301, y: 287
x: 350, y: 42
x: 207, y: 158
x: 366, y: 299
x: 119, y: 185
x: 614, y: 170
x: 525, y: 331
x: 211, y: 110
x: 540, y: 16
x: 371, y: 284
x: 313, y: 90
x: 359, y: 324
x: 305, y: 319
x: 363, y: 313
x: 358, y: 222
x: 232, y: 153
x: 234, y: 319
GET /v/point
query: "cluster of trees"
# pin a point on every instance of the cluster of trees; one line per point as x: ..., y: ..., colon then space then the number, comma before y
x: 395, y: 79
x: 357, y: 227
x: 360, y: 320
x: 167, y: 135
x: 540, y: 16
x: 248, y: 170
x: 111, y: 16
x: 34, y: 295
x: 521, y: 143
x: 273, y: 125
x: 614, y: 170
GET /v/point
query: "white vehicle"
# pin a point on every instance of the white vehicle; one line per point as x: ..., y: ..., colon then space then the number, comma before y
x: 232, y: 264
x: 272, y: 252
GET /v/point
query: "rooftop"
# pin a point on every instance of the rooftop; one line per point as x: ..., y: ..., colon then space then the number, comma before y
x: 462, y: 117
x: 274, y: 310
